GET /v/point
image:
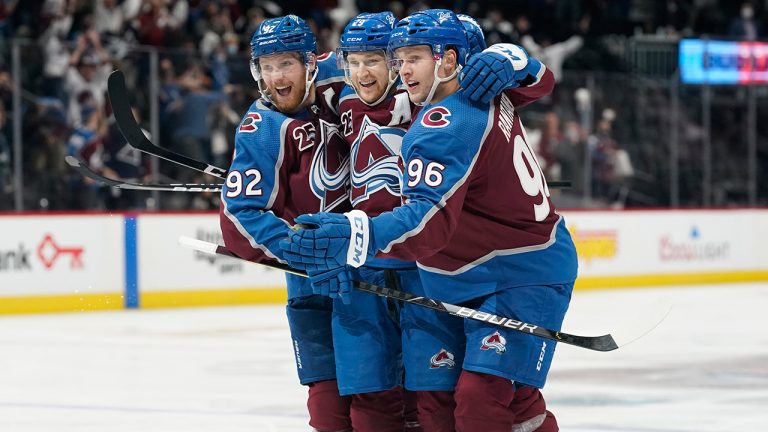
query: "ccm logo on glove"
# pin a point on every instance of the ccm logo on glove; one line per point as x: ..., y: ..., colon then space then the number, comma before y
x: 358, y: 242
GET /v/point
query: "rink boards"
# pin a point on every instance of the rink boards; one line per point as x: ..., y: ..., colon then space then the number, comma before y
x: 73, y: 262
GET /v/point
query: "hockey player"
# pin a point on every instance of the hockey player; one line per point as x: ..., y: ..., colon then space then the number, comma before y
x: 477, y: 219
x: 290, y: 159
x: 369, y: 331
x: 375, y: 114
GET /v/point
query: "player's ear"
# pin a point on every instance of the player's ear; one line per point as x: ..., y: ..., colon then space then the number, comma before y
x: 450, y: 60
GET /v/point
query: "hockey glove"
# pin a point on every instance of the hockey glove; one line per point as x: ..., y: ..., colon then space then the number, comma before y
x: 334, y: 283
x: 500, y: 67
x: 335, y: 241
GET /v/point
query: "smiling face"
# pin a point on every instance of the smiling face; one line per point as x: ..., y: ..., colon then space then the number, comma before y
x: 369, y: 74
x: 285, y: 78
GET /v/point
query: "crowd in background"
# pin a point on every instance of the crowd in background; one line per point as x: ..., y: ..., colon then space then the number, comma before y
x: 71, y: 46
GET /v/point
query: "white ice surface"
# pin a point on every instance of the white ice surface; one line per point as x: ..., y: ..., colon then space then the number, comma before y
x: 704, y: 369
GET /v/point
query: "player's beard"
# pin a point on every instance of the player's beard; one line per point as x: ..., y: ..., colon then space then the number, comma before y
x: 291, y: 102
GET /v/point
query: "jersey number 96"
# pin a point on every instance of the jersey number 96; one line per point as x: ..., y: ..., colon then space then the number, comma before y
x: 432, y: 174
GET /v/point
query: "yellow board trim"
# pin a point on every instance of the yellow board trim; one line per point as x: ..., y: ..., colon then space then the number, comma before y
x: 60, y: 303
x: 212, y: 297
x: 610, y: 282
x: 278, y: 295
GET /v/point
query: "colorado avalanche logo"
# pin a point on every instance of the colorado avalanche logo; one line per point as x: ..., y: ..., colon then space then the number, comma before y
x: 436, y: 117
x: 375, y: 156
x: 443, y: 358
x: 250, y: 122
x: 329, y: 172
x: 495, y: 341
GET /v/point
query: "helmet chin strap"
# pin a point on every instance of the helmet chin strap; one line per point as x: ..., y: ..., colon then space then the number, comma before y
x: 257, y: 77
x: 438, y: 81
x: 308, y: 83
x: 392, y: 79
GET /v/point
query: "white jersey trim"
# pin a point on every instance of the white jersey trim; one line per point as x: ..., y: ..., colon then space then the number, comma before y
x: 330, y: 80
x: 441, y: 204
x: 494, y: 254
x: 278, y: 163
x: 243, y: 232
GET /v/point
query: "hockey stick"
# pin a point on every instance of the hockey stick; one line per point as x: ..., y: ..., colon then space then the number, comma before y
x: 595, y: 343
x: 118, y: 95
x: 86, y: 171
x: 121, y: 108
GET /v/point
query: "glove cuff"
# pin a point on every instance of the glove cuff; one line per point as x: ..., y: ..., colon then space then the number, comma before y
x: 359, y: 238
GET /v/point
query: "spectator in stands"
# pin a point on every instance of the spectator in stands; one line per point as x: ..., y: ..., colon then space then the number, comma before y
x: 86, y: 143
x: 56, y: 48
x: 497, y: 28
x: 121, y: 161
x: 7, y: 8
x: 569, y: 153
x: 189, y: 116
x: 745, y: 26
x: 86, y: 78
x: 6, y: 184
x: 550, y: 137
x: 552, y: 55
x: 611, y: 165
x: 45, y: 132
x: 110, y: 17
x: 157, y: 25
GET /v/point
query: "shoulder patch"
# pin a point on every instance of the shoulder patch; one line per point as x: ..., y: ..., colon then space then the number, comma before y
x: 436, y: 117
x: 250, y: 122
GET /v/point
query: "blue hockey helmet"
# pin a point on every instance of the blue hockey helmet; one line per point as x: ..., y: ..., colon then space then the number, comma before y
x: 367, y: 32
x: 437, y: 28
x: 474, y: 34
x: 283, y: 34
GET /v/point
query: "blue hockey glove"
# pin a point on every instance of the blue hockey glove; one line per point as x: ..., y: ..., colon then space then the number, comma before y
x: 334, y: 283
x: 500, y: 67
x: 336, y: 241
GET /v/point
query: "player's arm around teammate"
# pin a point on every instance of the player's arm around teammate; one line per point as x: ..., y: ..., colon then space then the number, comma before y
x: 478, y: 220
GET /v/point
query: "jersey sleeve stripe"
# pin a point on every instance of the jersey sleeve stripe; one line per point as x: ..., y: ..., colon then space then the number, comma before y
x: 540, y: 74
x: 437, y: 207
x: 496, y: 253
x: 278, y: 164
x: 246, y: 235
